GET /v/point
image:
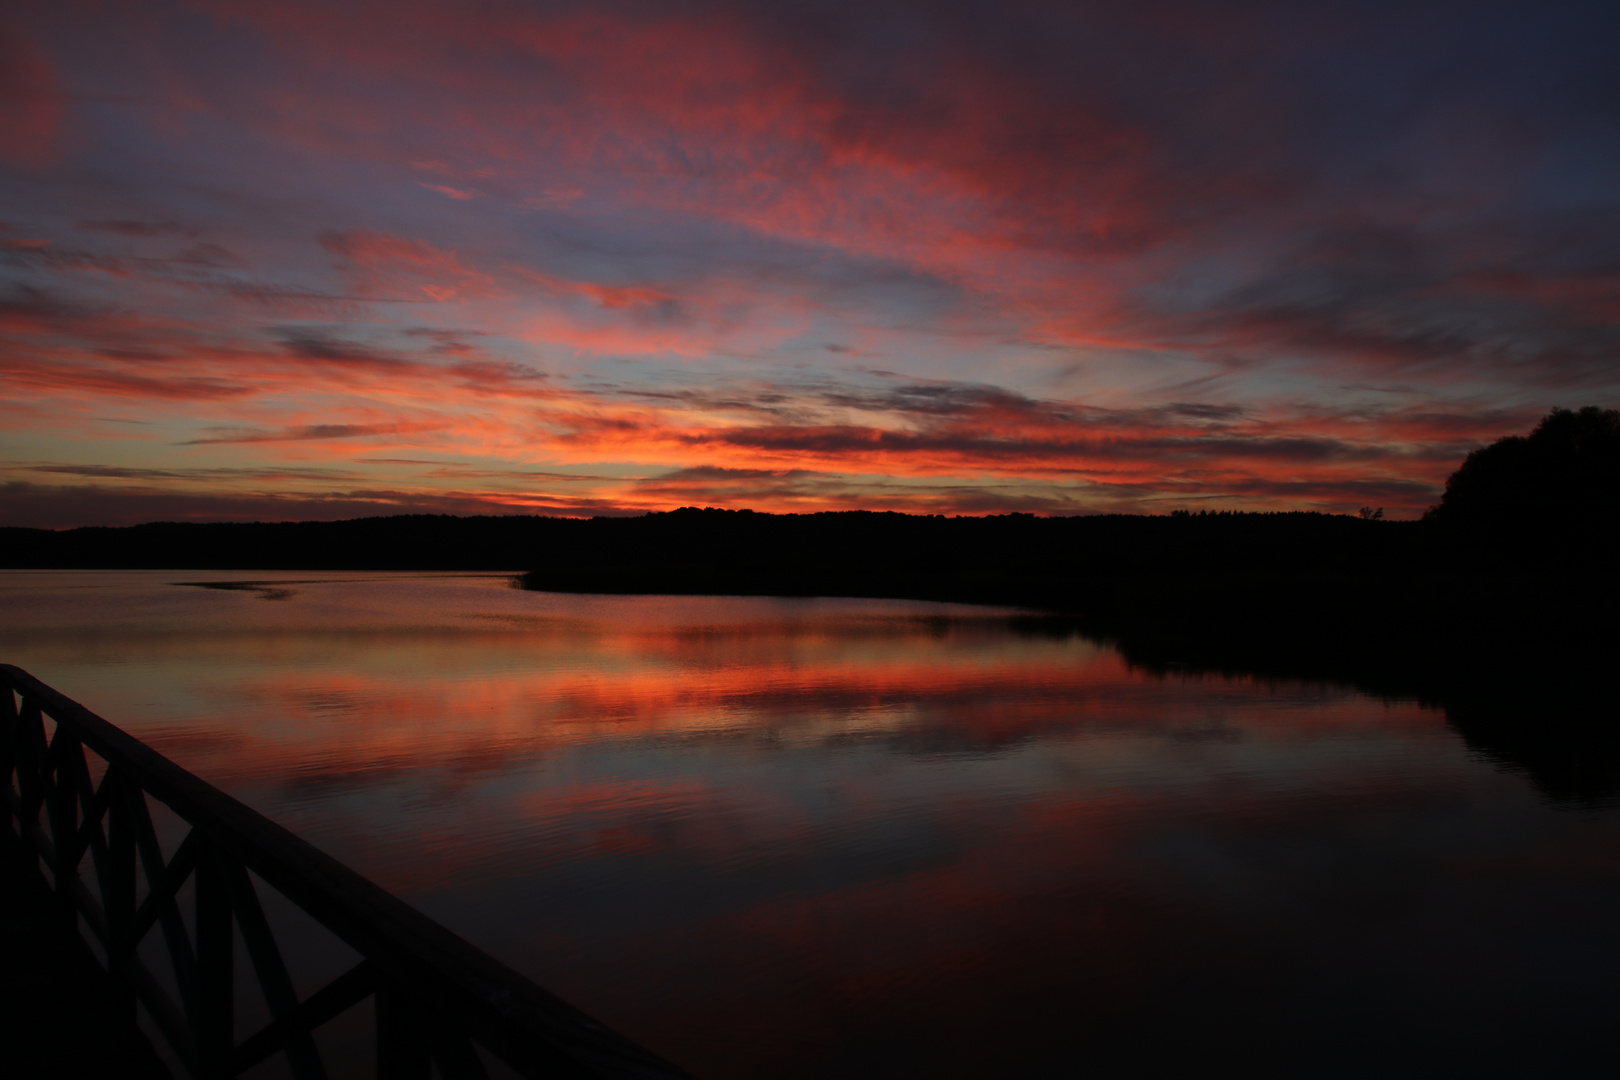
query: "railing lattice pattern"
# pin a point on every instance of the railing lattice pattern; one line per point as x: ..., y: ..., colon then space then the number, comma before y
x: 436, y: 999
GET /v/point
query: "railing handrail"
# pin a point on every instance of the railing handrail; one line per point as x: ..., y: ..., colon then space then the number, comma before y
x: 521, y: 1023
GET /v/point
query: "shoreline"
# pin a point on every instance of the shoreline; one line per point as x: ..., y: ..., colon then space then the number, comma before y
x: 1392, y: 607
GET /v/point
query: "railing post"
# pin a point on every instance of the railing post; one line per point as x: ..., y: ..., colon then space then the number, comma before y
x: 29, y: 749
x: 64, y: 814
x: 276, y: 985
x: 214, y: 1014
x: 8, y: 742
x: 118, y: 876
x: 402, y: 1045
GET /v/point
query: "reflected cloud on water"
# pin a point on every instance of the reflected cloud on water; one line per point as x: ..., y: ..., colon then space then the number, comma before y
x: 849, y: 837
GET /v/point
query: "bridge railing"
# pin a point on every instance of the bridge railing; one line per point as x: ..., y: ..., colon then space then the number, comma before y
x: 436, y: 997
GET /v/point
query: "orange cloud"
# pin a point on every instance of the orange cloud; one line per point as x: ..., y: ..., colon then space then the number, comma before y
x: 954, y: 260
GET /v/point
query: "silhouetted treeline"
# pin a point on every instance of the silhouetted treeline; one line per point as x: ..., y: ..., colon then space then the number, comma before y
x: 1279, y: 589
x: 1507, y: 590
x: 1548, y: 496
x: 691, y: 550
x: 405, y: 542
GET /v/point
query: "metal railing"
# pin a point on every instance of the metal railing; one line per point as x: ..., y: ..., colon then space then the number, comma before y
x: 436, y: 997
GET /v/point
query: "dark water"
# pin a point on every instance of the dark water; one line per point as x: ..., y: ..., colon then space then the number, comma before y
x: 818, y: 838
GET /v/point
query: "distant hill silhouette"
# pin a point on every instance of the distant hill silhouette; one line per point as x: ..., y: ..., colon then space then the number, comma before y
x: 1512, y: 576
x: 403, y: 542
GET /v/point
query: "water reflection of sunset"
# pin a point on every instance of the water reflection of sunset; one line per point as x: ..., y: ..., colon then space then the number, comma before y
x: 816, y: 837
x: 474, y: 695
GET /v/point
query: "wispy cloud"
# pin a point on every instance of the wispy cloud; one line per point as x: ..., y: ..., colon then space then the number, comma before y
x: 1106, y: 257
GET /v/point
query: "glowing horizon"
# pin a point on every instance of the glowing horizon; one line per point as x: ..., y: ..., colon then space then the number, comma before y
x: 288, y: 261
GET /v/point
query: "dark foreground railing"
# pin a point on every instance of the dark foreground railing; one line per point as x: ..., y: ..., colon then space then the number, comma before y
x: 435, y: 995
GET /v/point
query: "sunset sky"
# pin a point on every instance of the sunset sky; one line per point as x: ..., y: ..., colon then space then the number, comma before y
x: 289, y: 260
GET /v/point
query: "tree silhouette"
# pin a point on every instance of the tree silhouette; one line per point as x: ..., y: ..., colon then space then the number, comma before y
x: 1563, y: 479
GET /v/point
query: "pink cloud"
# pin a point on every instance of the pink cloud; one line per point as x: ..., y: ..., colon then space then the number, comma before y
x: 32, y: 106
x: 377, y: 263
x: 452, y: 193
x: 1053, y: 242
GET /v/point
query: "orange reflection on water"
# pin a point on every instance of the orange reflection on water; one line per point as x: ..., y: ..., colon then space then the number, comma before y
x: 769, y: 838
x: 472, y: 701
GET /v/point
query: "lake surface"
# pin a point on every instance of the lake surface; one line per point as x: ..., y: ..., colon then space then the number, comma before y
x: 834, y: 838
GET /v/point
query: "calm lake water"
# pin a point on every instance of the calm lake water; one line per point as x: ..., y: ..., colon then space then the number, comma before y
x: 833, y: 838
